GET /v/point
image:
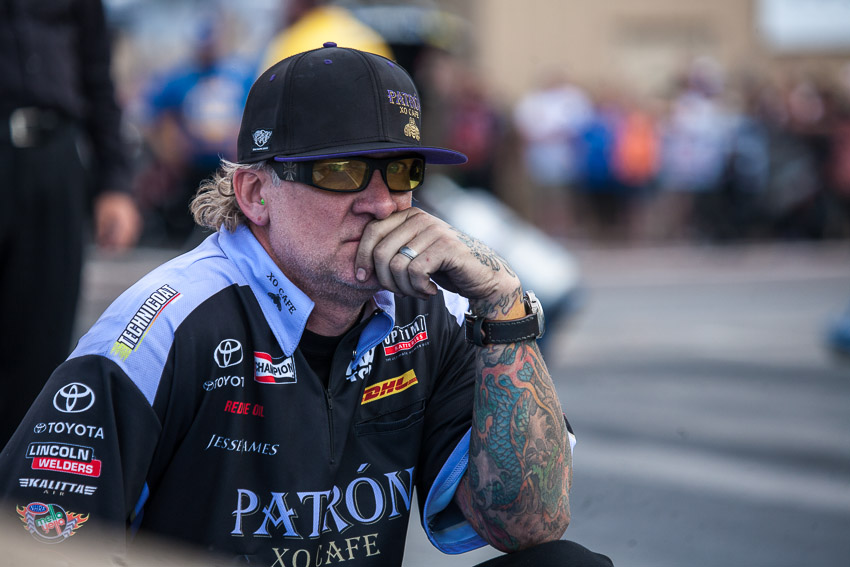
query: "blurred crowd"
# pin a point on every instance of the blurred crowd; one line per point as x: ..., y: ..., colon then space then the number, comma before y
x: 718, y: 157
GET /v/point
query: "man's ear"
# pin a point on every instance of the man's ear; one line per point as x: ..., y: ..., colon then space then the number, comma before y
x: 248, y: 188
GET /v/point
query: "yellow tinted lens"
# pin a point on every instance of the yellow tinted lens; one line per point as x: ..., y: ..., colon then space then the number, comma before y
x: 405, y: 174
x: 338, y: 174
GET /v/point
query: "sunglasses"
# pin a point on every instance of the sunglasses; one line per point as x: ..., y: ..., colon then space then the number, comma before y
x: 353, y: 173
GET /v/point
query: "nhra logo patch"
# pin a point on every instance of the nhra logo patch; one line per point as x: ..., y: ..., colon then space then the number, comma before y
x: 268, y: 370
x: 389, y: 387
x: 406, y: 338
x: 50, y: 523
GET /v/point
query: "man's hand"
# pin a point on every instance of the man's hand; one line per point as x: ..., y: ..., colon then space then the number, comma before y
x: 445, y: 255
x: 515, y: 492
x: 117, y: 221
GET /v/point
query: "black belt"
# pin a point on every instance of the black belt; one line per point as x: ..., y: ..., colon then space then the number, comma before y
x: 29, y: 126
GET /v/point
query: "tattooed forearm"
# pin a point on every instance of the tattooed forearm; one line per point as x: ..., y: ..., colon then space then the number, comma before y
x: 501, y: 304
x: 484, y: 253
x: 515, y: 492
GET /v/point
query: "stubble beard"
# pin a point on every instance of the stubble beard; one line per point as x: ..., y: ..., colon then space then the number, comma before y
x: 323, y: 281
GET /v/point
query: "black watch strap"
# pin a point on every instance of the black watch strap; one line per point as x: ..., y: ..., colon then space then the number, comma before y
x: 481, y: 332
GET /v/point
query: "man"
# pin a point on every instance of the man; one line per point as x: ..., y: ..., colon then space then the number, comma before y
x: 277, y: 393
x: 60, y: 145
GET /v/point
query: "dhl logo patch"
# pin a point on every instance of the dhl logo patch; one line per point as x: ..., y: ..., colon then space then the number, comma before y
x: 389, y: 387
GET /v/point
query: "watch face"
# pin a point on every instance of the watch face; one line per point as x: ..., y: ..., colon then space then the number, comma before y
x: 537, y: 309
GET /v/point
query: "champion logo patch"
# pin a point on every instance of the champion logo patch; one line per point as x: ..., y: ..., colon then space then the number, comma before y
x: 268, y: 370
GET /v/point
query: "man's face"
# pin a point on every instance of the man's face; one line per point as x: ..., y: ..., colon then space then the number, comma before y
x: 314, y: 235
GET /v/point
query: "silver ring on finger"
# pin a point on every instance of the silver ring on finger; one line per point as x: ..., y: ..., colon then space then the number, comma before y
x: 408, y: 251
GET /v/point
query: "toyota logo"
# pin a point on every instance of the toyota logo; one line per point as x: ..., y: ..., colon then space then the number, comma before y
x: 74, y: 398
x: 40, y: 428
x: 228, y: 353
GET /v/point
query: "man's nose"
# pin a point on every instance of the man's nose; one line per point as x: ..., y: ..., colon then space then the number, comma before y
x: 376, y: 198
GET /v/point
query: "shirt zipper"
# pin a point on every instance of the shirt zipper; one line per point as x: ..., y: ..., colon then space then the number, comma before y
x: 330, y: 425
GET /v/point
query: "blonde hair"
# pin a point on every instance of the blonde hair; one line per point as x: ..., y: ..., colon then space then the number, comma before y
x: 214, y: 205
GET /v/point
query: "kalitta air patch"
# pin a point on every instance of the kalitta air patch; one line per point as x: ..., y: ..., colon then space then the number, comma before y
x: 389, y: 387
x: 137, y: 328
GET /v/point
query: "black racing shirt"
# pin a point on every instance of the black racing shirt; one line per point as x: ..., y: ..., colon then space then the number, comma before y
x: 189, y: 411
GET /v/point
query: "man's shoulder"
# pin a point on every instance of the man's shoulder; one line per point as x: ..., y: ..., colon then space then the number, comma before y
x: 159, y: 302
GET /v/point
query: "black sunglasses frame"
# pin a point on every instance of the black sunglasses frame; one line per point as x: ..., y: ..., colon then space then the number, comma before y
x: 302, y: 171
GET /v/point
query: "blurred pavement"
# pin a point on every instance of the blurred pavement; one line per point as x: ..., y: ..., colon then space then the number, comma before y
x: 712, y: 423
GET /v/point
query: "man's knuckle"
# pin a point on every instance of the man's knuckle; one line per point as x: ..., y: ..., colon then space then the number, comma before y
x: 397, y: 262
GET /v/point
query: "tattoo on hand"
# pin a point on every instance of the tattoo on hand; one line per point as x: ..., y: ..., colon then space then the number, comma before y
x: 503, y: 304
x: 486, y: 255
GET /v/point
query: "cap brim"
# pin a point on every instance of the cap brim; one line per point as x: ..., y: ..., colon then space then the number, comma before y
x: 433, y: 155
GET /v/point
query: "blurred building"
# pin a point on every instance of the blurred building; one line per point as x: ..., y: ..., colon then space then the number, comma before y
x: 640, y: 43
x: 643, y: 48
x: 639, y: 51
x: 645, y: 43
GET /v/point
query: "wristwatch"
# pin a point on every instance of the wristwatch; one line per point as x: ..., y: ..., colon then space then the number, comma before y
x: 481, y: 332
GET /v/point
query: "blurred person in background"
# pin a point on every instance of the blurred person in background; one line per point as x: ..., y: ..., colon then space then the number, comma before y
x: 602, y: 199
x: 740, y: 203
x: 275, y: 394
x: 474, y: 125
x: 838, y: 167
x: 548, y: 121
x: 193, y: 113
x: 61, y: 152
x: 838, y: 174
x: 695, y: 143
x: 635, y: 164
x: 810, y: 118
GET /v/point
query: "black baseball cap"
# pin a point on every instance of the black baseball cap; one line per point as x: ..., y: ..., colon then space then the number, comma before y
x: 330, y: 102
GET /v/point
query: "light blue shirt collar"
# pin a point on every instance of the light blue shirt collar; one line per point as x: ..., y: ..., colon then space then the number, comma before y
x: 285, y: 307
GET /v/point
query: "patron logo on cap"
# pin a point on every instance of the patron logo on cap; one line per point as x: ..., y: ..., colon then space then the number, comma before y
x: 295, y: 110
x: 261, y: 138
x: 411, y: 130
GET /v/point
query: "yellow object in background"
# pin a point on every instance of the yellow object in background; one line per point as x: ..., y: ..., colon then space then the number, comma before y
x: 326, y: 23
